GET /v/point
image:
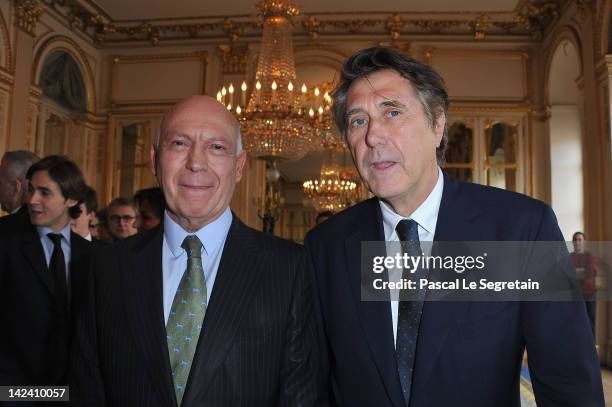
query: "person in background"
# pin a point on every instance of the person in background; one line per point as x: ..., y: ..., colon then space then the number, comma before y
x: 586, y: 269
x: 323, y: 216
x: 94, y: 226
x: 13, y: 185
x: 101, y: 226
x: 150, y: 204
x: 121, y: 218
x: 84, y: 224
x: 43, y: 268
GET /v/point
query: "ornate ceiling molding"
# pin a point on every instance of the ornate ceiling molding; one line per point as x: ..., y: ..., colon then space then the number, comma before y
x: 27, y: 12
x: 530, y: 19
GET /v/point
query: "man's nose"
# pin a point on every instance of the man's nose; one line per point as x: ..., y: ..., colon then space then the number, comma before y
x: 32, y: 197
x: 376, y: 134
x: 197, y: 159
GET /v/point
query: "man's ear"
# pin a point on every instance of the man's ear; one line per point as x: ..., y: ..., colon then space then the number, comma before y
x: 153, y: 160
x: 71, y: 202
x: 18, y: 187
x: 439, y: 130
x: 240, y: 161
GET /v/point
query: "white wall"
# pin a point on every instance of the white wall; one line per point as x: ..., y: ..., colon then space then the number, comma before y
x: 566, y: 168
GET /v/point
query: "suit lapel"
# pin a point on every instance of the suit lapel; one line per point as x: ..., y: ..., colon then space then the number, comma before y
x: 144, y: 308
x: 375, y: 315
x: 35, y: 256
x: 456, y: 223
x: 234, y: 287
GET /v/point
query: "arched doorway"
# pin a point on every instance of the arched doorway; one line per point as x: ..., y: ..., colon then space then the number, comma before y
x: 565, y: 126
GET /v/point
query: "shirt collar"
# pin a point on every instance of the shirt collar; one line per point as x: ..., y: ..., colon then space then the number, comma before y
x: 65, y: 232
x: 426, y: 215
x: 211, y: 235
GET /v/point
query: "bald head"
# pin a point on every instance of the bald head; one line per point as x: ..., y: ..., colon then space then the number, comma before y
x: 195, y: 106
x: 196, y: 161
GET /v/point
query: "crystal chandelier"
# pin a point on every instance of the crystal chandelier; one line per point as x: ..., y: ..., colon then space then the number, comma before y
x: 333, y: 190
x: 279, y: 120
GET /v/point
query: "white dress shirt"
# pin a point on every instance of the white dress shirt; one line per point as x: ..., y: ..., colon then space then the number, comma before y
x: 426, y: 216
x: 174, y: 257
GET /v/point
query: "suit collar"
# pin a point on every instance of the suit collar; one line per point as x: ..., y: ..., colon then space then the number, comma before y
x: 457, y: 213
x: 211, y: 235
x: 425, y: 215
x: 45, y: 230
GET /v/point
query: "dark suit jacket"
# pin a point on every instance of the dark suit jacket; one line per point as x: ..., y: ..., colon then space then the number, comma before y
x: 255, y: 348
x: 35, y: 340
x: 468, y: 353
x: 21, y: 217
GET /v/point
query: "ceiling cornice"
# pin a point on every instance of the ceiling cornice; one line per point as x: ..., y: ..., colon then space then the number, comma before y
x: 530, y: 19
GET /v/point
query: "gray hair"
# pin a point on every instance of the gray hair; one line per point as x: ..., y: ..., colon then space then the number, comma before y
x: 17, y: 164
x: 121, y: 201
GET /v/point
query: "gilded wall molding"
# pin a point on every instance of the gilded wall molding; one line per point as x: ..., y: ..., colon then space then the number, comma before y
x: 32, y: 115
x: 234, y: 58
x: 4, y: 118
x: 317, y: 53
x: 319, y: 46
x: 27, y: 13
x: 200, y: 56
x: 8, y: 53
x: 6, y: 78
x: 203, y: 55
x: 35, y: 91
x: 430, y: 53
x: 601, y: 28
x: 541, y: 114
x: 486, y: 108
x: 63, y: 43
x: 139, y: 110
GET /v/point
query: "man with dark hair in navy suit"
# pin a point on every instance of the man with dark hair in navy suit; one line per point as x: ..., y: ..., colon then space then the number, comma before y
x: 392, y: 111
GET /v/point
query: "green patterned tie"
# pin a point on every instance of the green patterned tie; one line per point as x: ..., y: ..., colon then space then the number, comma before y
x: 186, y: 316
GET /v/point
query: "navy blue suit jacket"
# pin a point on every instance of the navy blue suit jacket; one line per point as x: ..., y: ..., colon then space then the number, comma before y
x: 468, y: 353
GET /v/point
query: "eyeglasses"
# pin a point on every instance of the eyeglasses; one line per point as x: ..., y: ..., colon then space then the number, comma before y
x: 125, y: 218
x: 94, y: 225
